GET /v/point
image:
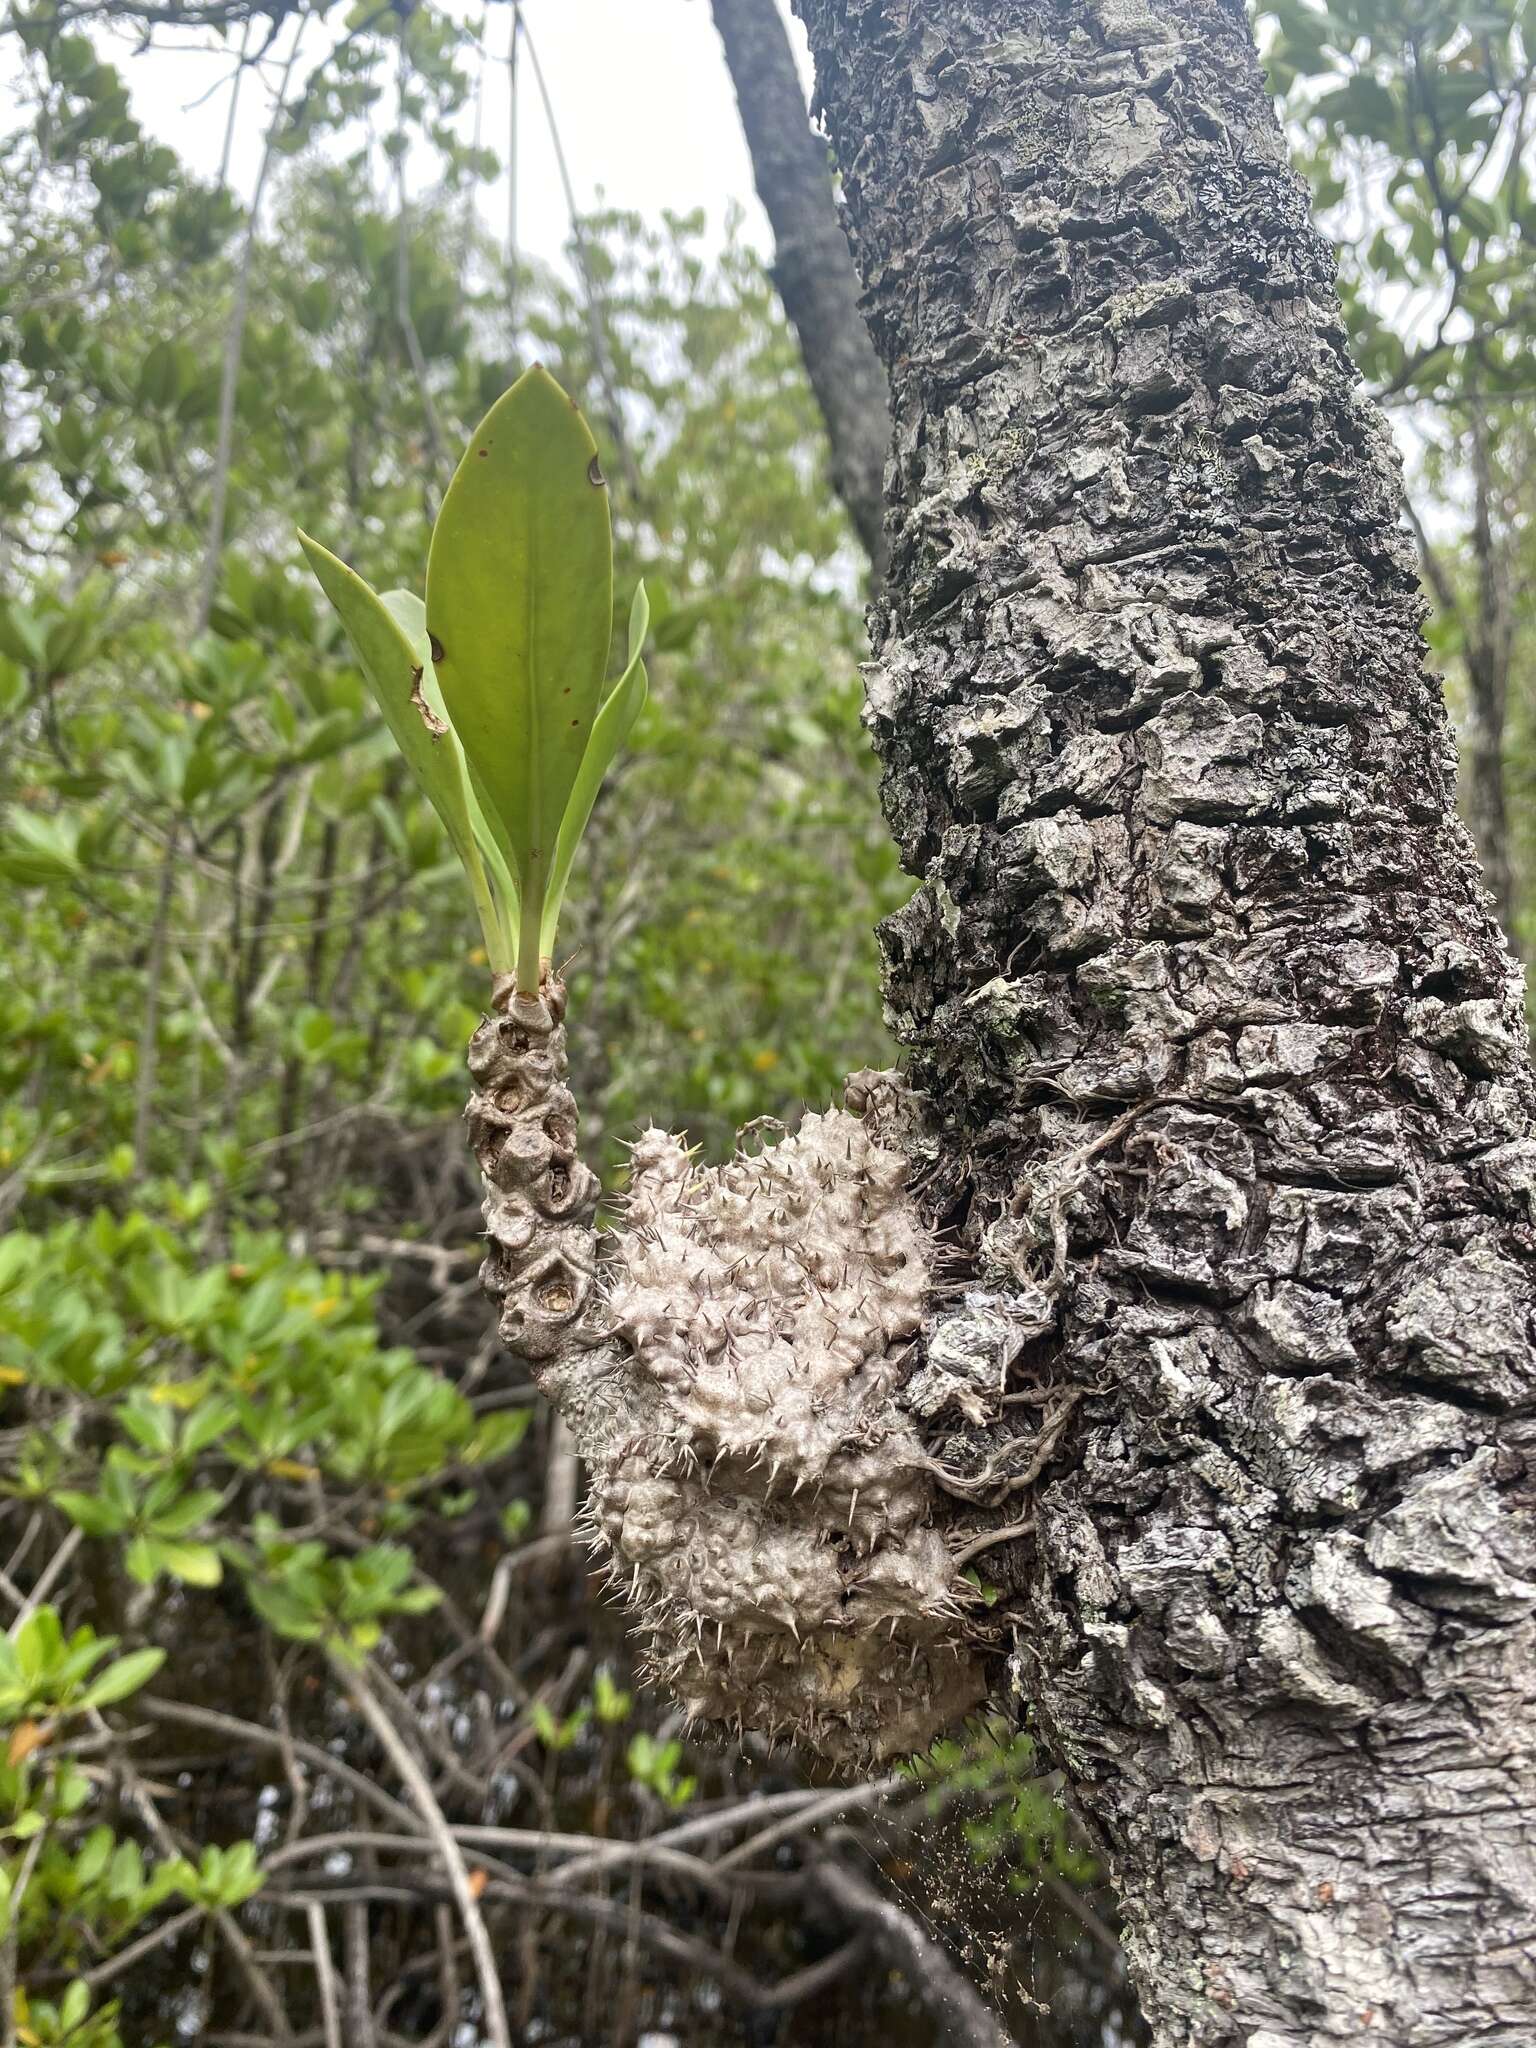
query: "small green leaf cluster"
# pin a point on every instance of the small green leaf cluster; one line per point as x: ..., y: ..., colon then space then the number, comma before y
x: 607, y: 1706
x: 70, y: 1887
x: 1412, y: 114
x: 654, y: 1764
x: 43, y: 1674
x: 220, y: 1387
x: 310, y: 1595
x: 1014, y: 1815
x: 493, y: 689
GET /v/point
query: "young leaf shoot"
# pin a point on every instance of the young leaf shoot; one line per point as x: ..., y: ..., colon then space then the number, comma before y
x: 493, y: 689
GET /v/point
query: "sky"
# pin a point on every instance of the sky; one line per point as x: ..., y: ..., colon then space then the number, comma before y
x: 640, y: 91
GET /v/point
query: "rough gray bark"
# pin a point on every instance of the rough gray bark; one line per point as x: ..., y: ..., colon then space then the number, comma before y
x: 1226, y: 1053
x: 811, y: 268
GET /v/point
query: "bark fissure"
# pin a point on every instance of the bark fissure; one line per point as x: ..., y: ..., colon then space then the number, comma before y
x: 1227, y: 1057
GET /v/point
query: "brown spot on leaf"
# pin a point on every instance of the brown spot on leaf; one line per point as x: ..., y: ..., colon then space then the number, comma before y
x: 429, y: 718
x: 436, y: 646
x: 595, y: 473
x: 25, y: 1737
x: 482, y: 453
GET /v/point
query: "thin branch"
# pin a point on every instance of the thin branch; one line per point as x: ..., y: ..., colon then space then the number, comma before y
x: 359, y: 2006
x: 416, y: 1783
x: 247, y: 1732
x: 234, y: 349
x: 136, y: 1951
x: 147, y: 1062
x: 591, y: 298
x: 760, y: 1806
x: 8, y: 1946
x: 403, y: 312
x: 834, y: 1805
x: 948, y: 1995
x: 325, y: 1975
x: 50, y: 1575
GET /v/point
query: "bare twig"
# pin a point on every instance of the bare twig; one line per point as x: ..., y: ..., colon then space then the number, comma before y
x: 34, y: 1849
x: 325, y: 1975
x: 147, y: 1062
x: 50, y: 1575
x: 417, y: 1784
x: 403, y: 312
x: 246, y: 1732
x: 360, y: 2032
x: 831, y: 1805
x: 965, y: 2018
x: 234, y: 349
x: 759, y: 1807
x: 136, y: 1951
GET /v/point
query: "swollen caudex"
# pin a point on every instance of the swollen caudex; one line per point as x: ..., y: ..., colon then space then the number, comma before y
x: 729, y: 1374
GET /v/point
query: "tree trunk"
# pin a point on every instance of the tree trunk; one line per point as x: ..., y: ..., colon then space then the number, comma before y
x: 1490, y: 647
x: 811, y: 269
x: 1224, y: 1048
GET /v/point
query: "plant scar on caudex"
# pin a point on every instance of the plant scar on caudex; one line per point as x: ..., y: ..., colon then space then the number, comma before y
x: 729, y: 1359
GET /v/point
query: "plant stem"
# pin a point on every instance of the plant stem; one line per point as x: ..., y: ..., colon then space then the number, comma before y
x: 149, y: 1043
x: 529, y: 935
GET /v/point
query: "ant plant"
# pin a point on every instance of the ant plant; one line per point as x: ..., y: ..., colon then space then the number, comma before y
x: 731, y: 1357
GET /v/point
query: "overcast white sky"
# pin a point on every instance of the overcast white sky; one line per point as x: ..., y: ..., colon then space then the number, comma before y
x: 640, y: 88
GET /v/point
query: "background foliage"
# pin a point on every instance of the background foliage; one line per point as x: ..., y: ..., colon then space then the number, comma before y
x: 263, y: 1455
x: 272, y: 1501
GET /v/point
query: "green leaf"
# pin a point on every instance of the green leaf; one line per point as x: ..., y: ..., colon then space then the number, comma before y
x: 519, y: 605
x: 195, y: 1564
x: 38, y: 849
x: 610, y: 730
x: 92, y: 1514
x: 400, y: 684
x: 123, y: 1677
x: 91, y: 1856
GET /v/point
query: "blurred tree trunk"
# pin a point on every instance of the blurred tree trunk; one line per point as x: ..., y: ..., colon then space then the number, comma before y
x: 811, y: 268
x: 1486, y: 624
x: 1490, y: 647
x: 1225, y: 1052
